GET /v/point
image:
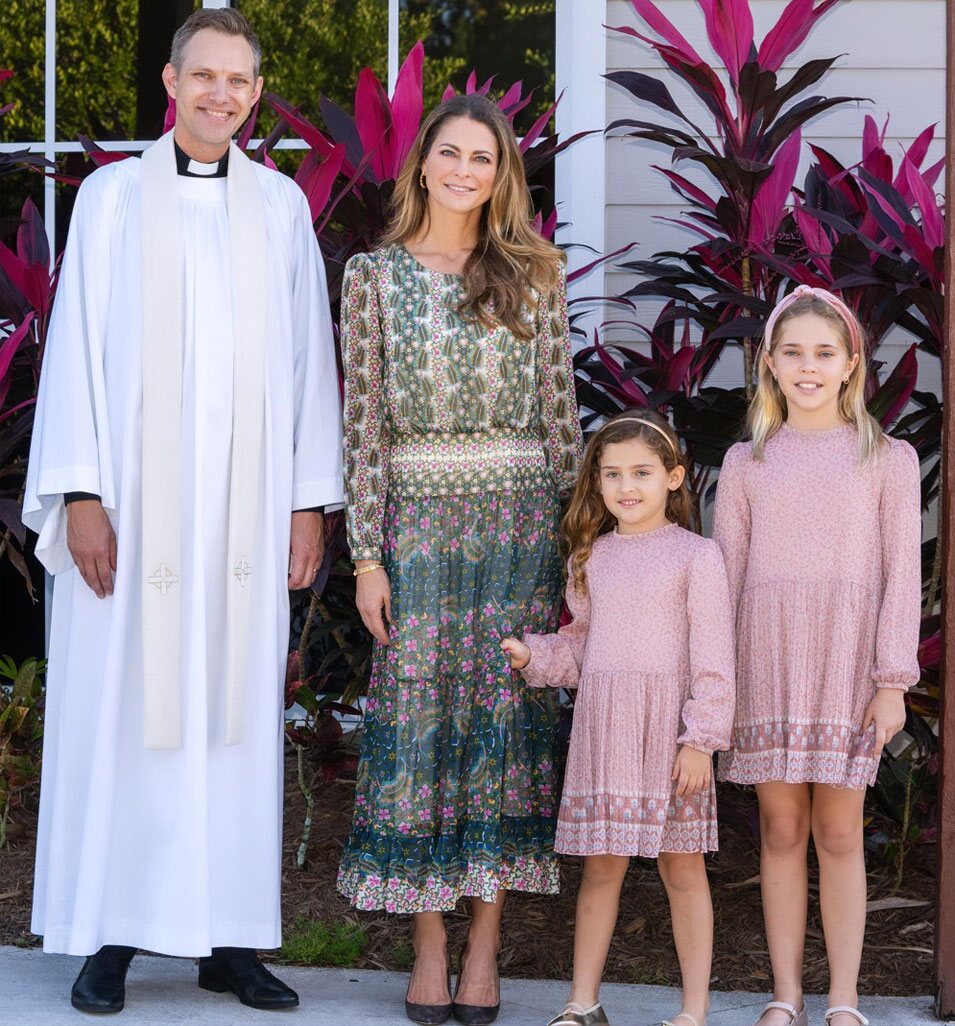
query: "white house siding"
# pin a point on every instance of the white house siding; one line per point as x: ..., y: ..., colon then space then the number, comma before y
x: 894, y: 55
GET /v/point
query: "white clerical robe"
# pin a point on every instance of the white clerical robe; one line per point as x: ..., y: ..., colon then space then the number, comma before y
x: 172, y: 850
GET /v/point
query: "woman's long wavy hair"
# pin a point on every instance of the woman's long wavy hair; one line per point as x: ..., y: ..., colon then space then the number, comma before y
x: 511, y: 261
x: 768, y: 410
x: 587, y: 517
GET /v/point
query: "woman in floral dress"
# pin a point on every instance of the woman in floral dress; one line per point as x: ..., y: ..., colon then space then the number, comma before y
x: 461, y: 434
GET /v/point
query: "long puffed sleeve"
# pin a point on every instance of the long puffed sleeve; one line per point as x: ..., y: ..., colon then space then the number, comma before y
x: 560, y: 418
x: 900, y: 515
x: 708, y: 712
x: 366, y: 428
x: 317, y: 437
x: 732, y: 522
x: 556, y: 659
x: 70, y: 448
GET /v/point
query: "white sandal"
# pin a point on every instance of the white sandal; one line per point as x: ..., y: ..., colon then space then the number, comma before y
x: 683, y: 1015
x: 849, y: 1010
x: 795, y: 1018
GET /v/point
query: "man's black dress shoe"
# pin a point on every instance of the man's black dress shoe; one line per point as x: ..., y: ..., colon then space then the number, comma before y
x: 240, y: 971
x: 101, y: 985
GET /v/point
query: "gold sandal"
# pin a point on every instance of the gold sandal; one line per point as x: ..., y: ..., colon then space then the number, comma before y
x: 574, y: 1015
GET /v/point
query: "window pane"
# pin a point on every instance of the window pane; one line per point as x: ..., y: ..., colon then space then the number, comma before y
x: 15, y: 189
x: 512, y: 41
x: 22, y: 46
x: 312, y: 48
x: 110, y: 55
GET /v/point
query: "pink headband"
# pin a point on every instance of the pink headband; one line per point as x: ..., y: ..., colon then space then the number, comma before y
x: 646, y: 423
x: 800, y: 292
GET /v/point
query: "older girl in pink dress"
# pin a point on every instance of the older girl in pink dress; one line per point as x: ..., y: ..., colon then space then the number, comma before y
x: 650, y: 649
x: 819, y: 520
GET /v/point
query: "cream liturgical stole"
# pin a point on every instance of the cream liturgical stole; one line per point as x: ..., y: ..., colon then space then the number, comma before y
x: 162, y: 401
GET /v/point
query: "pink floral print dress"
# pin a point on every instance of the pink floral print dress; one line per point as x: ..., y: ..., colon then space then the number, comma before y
x: 824, y: 563
x: 650, y: 650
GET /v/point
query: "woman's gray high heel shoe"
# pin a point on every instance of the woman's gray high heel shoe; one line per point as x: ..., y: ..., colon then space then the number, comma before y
x: 428, y: 1015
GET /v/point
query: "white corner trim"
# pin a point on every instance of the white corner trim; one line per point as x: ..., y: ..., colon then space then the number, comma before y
x: 581, y: 62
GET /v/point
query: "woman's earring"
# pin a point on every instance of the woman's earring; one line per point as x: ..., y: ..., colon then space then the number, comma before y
x: 422, y: 181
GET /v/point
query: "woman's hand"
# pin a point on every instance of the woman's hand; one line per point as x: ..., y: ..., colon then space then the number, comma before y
x: 519, y: 653
x: 887, y: 712
x: 692, y: 771
x: 373, y: 598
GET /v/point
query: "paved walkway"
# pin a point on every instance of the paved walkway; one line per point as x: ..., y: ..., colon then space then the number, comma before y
x: 34, y: 991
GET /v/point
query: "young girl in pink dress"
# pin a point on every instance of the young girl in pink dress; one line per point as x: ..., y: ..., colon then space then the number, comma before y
x: 650, y: 649
x: 819, y: 520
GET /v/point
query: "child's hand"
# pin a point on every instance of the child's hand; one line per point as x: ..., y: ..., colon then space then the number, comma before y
x: 692, y: 770
x: 519, y: 652
x: 887, y: 712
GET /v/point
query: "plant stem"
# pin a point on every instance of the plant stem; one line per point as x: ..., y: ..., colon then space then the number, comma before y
x: 4, y: 818
x: 903, y: 839
x: 936, y: 578
x: 747, y: 342
x: 309, y: 807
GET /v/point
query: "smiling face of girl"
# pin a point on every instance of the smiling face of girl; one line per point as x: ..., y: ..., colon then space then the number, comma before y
x: 811, y: 363
x: 635, y: 485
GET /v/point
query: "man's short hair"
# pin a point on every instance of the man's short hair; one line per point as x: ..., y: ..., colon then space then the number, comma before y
x: 224, y: 20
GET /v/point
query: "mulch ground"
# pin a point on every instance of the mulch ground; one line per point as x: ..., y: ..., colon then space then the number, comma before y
x: 538, y: 930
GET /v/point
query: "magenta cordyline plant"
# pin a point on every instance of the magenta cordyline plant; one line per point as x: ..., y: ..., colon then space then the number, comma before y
x: 897, y: 220
x: 26, y: 297
x: 749, y: 146
x: 860, y: 231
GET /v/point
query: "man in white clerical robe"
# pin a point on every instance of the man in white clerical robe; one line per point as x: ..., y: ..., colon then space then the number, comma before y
x: 187, y: 438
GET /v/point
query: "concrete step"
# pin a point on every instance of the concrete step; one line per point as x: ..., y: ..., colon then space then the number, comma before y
x: 35, y: 988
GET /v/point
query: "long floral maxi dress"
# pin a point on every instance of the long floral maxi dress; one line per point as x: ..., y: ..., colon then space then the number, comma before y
x: 459, y: 440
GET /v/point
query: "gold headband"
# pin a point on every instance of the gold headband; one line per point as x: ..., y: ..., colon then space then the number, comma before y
x: 646, y: 423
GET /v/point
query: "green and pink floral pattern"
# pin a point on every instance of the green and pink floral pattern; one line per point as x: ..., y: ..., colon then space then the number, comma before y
x: 459, y: 440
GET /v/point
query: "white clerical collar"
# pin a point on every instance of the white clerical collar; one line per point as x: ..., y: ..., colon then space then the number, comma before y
x: 195, y: 168
x: 190, y: 168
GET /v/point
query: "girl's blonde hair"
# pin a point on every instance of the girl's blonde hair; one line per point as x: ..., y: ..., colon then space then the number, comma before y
x: 511, y: 260
x: 587, y: 517
x: 768, y: 410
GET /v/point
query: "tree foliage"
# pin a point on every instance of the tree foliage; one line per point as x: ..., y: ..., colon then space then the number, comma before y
x: 95, y: 73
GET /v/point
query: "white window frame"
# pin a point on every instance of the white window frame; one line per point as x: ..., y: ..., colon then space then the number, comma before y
x: 580, y: 62
x: 580, y: 185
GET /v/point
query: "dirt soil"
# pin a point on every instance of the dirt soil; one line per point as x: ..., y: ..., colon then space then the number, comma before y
x: 538, y: 930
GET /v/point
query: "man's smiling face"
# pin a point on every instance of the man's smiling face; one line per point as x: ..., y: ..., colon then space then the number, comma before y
x: 214, y: 89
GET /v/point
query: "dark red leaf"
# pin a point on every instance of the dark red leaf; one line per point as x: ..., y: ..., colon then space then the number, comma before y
x: 663, y: 27
x: 407, y: 105
x: 896, y: 390
x: 790, y: 31
x: 374, y: 123
x: 729, y: 25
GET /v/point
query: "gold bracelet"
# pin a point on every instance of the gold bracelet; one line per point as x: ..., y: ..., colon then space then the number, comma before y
x: 367, y: 569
